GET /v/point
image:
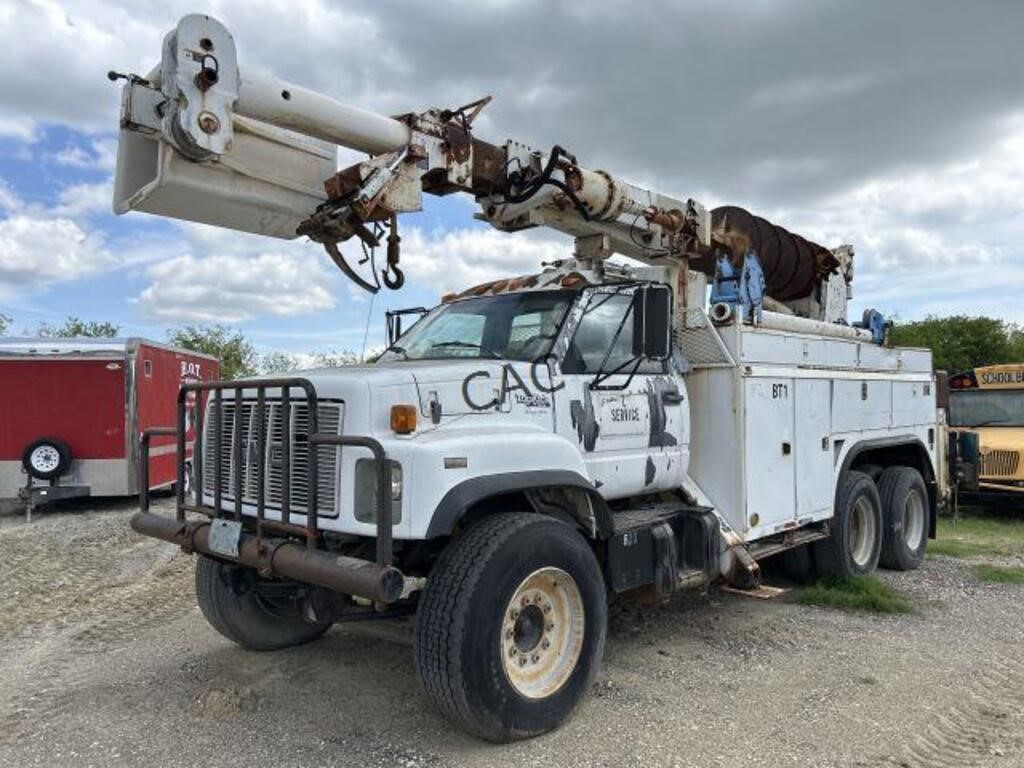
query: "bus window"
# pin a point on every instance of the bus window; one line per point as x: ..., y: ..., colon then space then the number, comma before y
x: 986, y: 407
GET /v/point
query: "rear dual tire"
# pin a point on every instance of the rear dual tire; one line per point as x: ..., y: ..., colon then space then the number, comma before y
x: 905, y: 505
x: 883, y: 522
x: 855, y: 530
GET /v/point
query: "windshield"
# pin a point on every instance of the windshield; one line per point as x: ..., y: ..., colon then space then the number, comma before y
x: 978, y: 408
x: 517, y: 326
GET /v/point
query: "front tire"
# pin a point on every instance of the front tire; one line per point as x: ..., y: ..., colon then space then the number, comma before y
x: 855, y: 530
x: 905, y: 509
x: 511, y: 627
x: 255, y: 613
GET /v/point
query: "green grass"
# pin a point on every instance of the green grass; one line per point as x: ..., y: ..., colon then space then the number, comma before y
x: 860, y: 593
x: 1000, y: 575
x: 977, y: 536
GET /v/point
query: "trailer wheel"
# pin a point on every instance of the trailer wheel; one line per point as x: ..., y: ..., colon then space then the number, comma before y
x: 855, y: 540
x: 255, y: 613
x: 511, y: 626
x: 905, y: 513
x: 46, y: 458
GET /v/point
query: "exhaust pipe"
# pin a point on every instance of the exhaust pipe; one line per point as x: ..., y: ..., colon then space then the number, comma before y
x: 721, y: 313
x: 282, y: 557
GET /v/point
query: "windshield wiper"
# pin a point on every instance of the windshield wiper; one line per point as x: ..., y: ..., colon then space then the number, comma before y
x: 989, y: 422
x: 466, y: 345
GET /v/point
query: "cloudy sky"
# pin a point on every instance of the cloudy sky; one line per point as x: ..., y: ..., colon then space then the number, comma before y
x: 895, y: 126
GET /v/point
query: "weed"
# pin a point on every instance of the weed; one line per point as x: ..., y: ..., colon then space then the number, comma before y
x: 859, y: 593
x: 999, y: 574
x: 976, y: 536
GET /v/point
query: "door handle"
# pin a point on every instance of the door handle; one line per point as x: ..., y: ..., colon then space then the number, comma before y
x: 671, y: 398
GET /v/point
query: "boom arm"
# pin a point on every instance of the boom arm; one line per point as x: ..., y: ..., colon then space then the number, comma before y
x: 199, y: 106
x: 203, y: 140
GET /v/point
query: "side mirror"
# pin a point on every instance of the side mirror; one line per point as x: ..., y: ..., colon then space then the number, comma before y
x: 394, y: 321
x: 652, y: 322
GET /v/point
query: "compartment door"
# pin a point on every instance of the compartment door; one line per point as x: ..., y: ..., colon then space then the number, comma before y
x: 813, y: 447
x: 768, y: 453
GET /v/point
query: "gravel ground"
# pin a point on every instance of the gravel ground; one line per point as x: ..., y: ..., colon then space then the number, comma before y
x: 105, y: 660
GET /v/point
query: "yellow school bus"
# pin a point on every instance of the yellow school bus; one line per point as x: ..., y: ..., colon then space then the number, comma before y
x: 990, y: 402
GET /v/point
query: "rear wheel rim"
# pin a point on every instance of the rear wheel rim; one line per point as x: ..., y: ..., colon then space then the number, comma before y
x: 44, y: 458
x: 863, y: 531
x: 542, y: 633
x: 913, y: 519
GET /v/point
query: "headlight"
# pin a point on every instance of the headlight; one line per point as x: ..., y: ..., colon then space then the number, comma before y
x: 396, y: 481
x: 366, y: 491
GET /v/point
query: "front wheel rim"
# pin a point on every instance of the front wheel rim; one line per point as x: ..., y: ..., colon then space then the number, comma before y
x: 863, y: 532
x: 913, y: 519
x: 542, y: 633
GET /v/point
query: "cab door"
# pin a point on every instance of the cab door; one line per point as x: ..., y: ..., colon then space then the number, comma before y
x: 625, y: 415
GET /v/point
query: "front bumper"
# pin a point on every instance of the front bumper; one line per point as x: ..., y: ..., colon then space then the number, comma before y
x: 275, y: 547
x: 282, y: 557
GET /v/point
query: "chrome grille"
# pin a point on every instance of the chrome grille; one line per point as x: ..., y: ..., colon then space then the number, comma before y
x: 328, y: 457
x: 1000, y: 463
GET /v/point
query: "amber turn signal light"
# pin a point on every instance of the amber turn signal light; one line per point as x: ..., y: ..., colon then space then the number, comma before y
x: 403, y: 419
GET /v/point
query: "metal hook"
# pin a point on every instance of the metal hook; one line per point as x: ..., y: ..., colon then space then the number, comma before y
x: 396, y: 282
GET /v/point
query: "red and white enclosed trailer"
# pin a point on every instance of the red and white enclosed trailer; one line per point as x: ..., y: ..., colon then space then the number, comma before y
x: 72, y: 412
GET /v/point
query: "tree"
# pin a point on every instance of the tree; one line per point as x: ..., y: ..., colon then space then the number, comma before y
x: 5, y: 323
x: 237, y: 357
x: 76, y: 327
x: 960, y: 342
x: 335, y: 359
x: 1017, y: 345
x: 279, y: 361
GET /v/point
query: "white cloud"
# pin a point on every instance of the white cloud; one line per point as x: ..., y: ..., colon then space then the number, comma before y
x: 101, y: 155
x: 22, y: 128
x: 55, y: 57
x: 945, y: 239
x: 8, y: 200
x: 234, y: 286
x: 36, y: 250
x: 42, y: 246
x: 84, y: 199
x: 74, y: 156
x: 455, y: 260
